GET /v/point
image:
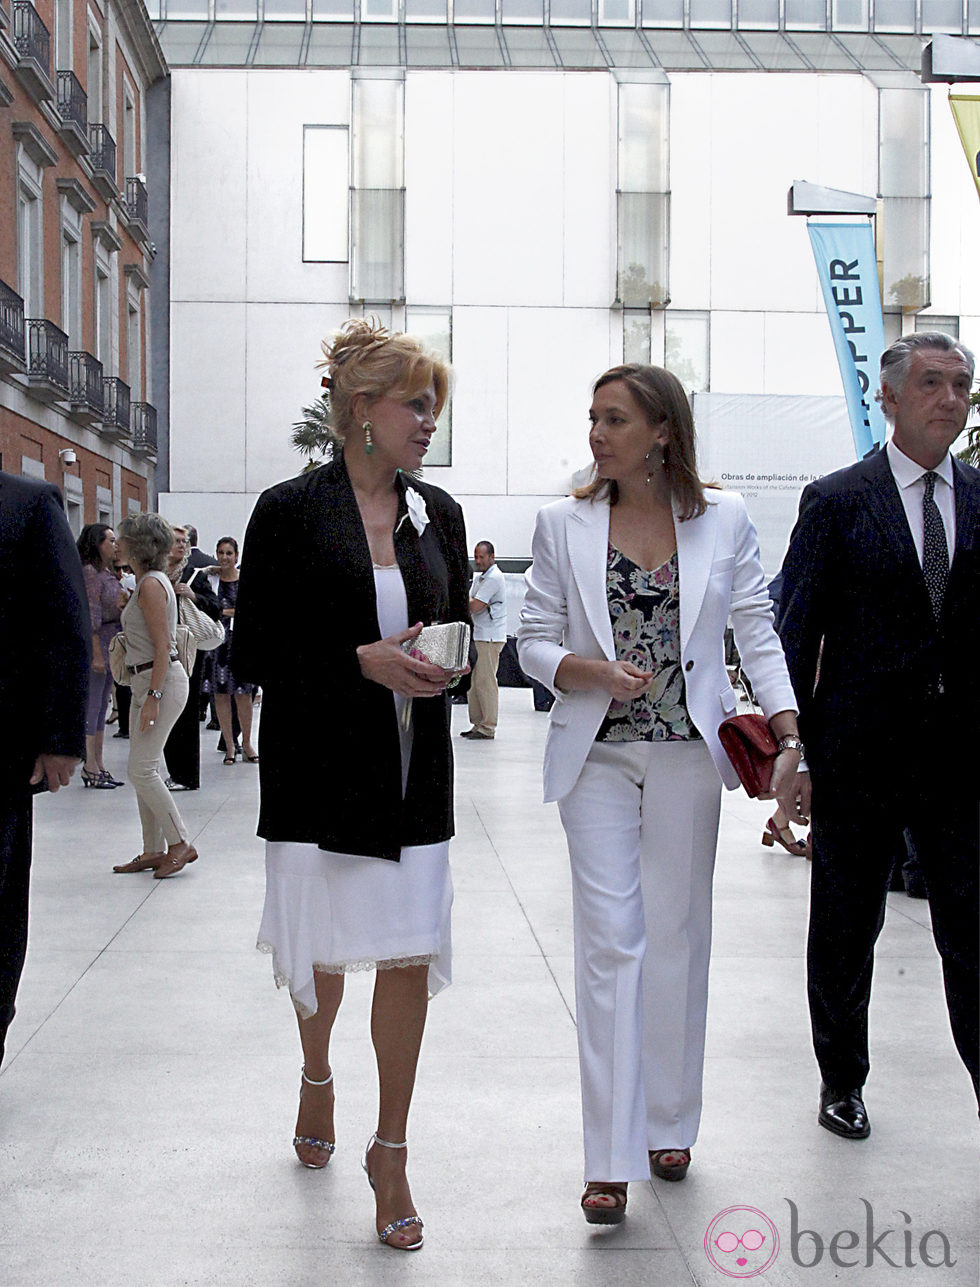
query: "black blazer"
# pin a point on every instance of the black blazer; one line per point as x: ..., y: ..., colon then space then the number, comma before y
x: 330, y: 763
x: 853, y: 586
x: 45, y: 631
x: 207, y: 600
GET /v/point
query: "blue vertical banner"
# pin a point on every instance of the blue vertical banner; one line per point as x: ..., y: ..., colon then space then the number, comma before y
x: 848, y: 272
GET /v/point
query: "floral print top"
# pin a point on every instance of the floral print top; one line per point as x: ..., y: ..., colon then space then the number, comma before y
x: 644, y: 608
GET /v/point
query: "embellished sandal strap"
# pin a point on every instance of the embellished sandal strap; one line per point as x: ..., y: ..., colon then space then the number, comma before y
x: 315, y: 1143
x: 388, y: 1144
x: 395, y: 1225
x: 310, y: 1082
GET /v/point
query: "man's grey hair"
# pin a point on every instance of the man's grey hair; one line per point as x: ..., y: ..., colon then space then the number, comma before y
x: 897, y: 358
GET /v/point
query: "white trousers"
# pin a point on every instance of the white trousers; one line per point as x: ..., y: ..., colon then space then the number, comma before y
x: 642, y: 828
x: 159, y: 816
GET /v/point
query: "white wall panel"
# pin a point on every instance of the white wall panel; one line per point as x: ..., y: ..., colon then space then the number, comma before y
x: 208, y: 188
x: 737, y: 352
x: 507, y: 521
x: 480, y: 365
x: 429, y: 188
x: 589, y: 191
x: 799, y: 356
x: 283, y: 349
x: 954, y: 217
x: 555, y: 356
x: 508, y: 188
x: 214, y: 515
x: 278, y: 108
x: 691, y: 191
x: 207, y: 397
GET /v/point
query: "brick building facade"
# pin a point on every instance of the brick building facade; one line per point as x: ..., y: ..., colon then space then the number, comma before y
x: 76, y: 397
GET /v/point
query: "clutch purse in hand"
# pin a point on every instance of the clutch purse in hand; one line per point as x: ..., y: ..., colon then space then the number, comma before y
x: 447, y: 645
x: 752, y: 749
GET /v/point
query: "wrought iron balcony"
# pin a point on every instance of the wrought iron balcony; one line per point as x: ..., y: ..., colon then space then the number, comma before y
x: 85, y: 382
x: 73, y: 110
x: 32, y: 40
x: 137, y: 204
x: 115, y: 415
x: 12, y: 358
x: 102, y: 155
x: 47, y: 360
x: 144, y: 428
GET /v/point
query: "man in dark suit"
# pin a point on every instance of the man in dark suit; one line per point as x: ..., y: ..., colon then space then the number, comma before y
x: 196, y: 558
x: 880, y: 618
x: 45, y: 654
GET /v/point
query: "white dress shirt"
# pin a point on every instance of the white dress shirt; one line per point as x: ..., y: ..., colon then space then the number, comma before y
x: 910, y: 479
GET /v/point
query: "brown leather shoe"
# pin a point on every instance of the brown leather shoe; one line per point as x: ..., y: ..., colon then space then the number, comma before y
x: 670, y: 1163
x: 173, y: 862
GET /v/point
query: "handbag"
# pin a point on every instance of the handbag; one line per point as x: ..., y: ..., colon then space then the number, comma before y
x: 186, y: 648
x: 117, y: 659
x: 206, y: 633
x: 752, y: 749
x: 446, y: 645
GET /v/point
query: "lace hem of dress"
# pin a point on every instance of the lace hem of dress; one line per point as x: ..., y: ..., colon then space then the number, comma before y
x: 283, y: 980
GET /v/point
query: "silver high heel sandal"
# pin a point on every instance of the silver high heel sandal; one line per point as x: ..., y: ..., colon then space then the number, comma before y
x: 311, y: 1140
x: 395, y: 1225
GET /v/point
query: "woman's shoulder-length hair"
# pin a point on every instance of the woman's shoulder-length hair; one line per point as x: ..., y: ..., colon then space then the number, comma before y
x: 663, y: 400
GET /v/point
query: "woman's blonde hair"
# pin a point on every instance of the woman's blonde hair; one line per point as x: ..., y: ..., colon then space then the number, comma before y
x: 663, y: 401
x: 362, y: 358
x: 149, y: 539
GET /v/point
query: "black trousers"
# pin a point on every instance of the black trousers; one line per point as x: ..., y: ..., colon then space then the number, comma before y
x: 182, y: 750
x: 124, y: 699
x: 15, y: 872
x: 856, y: 833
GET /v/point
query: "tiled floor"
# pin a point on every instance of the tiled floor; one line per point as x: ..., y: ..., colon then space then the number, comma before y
x: 148, y: 1096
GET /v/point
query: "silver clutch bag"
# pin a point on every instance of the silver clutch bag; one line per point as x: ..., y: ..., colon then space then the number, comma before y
x: 446, y: 645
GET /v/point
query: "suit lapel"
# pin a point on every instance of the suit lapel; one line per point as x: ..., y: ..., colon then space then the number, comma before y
x: 888, y: 511
x: 587, y: 537
x: 695, y: 550
x: 966, y: 495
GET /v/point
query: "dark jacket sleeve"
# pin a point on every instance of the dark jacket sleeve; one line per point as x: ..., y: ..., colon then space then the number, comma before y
x: 254, y: 642
x: 800, y: 620
x: 60, y: 628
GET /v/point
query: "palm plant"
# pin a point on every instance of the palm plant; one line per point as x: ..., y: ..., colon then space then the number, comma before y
x: 312, y: 434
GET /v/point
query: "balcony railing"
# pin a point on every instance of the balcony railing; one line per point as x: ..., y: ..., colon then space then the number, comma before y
x: 115, y: 414
x: 31, y: 37
x: 11, y: 324
x: 102, y: 151
x: 144, y: 428
x: 48, y: 354
x: 136, y: 201
x: 85, y: 383
x: 72, y: 101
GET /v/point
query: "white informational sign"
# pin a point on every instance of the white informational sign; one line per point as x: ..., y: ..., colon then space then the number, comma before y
x: 768, y: 447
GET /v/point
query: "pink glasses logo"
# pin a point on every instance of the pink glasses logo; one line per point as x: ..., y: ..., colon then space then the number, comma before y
x: 741, y: 1242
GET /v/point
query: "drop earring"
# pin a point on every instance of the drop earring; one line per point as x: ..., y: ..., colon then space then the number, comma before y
x: 368, y: 440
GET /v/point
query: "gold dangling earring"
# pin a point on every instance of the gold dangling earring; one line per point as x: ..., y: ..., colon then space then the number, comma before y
x: 368, y: 440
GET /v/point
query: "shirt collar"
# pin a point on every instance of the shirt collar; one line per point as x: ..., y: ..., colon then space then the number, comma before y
x: 907, y: 471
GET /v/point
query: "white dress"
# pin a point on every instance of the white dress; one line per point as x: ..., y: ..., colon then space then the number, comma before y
x: 337, y: 913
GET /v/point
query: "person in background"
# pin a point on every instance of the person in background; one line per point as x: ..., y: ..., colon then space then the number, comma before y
x: 196, y: 558
x: 488, y: 606
x: 182, y: 751
x: 123, y: 693
x: 45, y: 661
x: 220, y: 678
x: 159, y: 684
x: 107, y: 597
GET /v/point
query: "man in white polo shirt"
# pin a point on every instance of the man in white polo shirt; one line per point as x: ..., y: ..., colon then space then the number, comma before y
x: 488, y: 607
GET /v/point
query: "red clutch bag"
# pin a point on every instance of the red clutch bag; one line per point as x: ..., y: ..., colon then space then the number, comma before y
x: 752, y: 749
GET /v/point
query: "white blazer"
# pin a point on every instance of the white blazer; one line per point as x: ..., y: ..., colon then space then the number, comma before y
x: 566, y: 611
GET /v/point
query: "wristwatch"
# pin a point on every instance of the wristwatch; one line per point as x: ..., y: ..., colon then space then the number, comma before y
x: 790, y: 743
x: 156, y: 692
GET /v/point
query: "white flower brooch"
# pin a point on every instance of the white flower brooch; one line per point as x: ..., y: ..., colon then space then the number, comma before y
x: 417, y: 512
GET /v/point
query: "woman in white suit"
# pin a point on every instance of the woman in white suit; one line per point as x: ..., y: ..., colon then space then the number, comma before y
x: 633, y: 580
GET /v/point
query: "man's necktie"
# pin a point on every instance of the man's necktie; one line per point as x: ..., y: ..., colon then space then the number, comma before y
x: 935, y: 551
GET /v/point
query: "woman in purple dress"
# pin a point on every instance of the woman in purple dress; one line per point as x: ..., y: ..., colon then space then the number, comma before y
x: 106, y: 599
